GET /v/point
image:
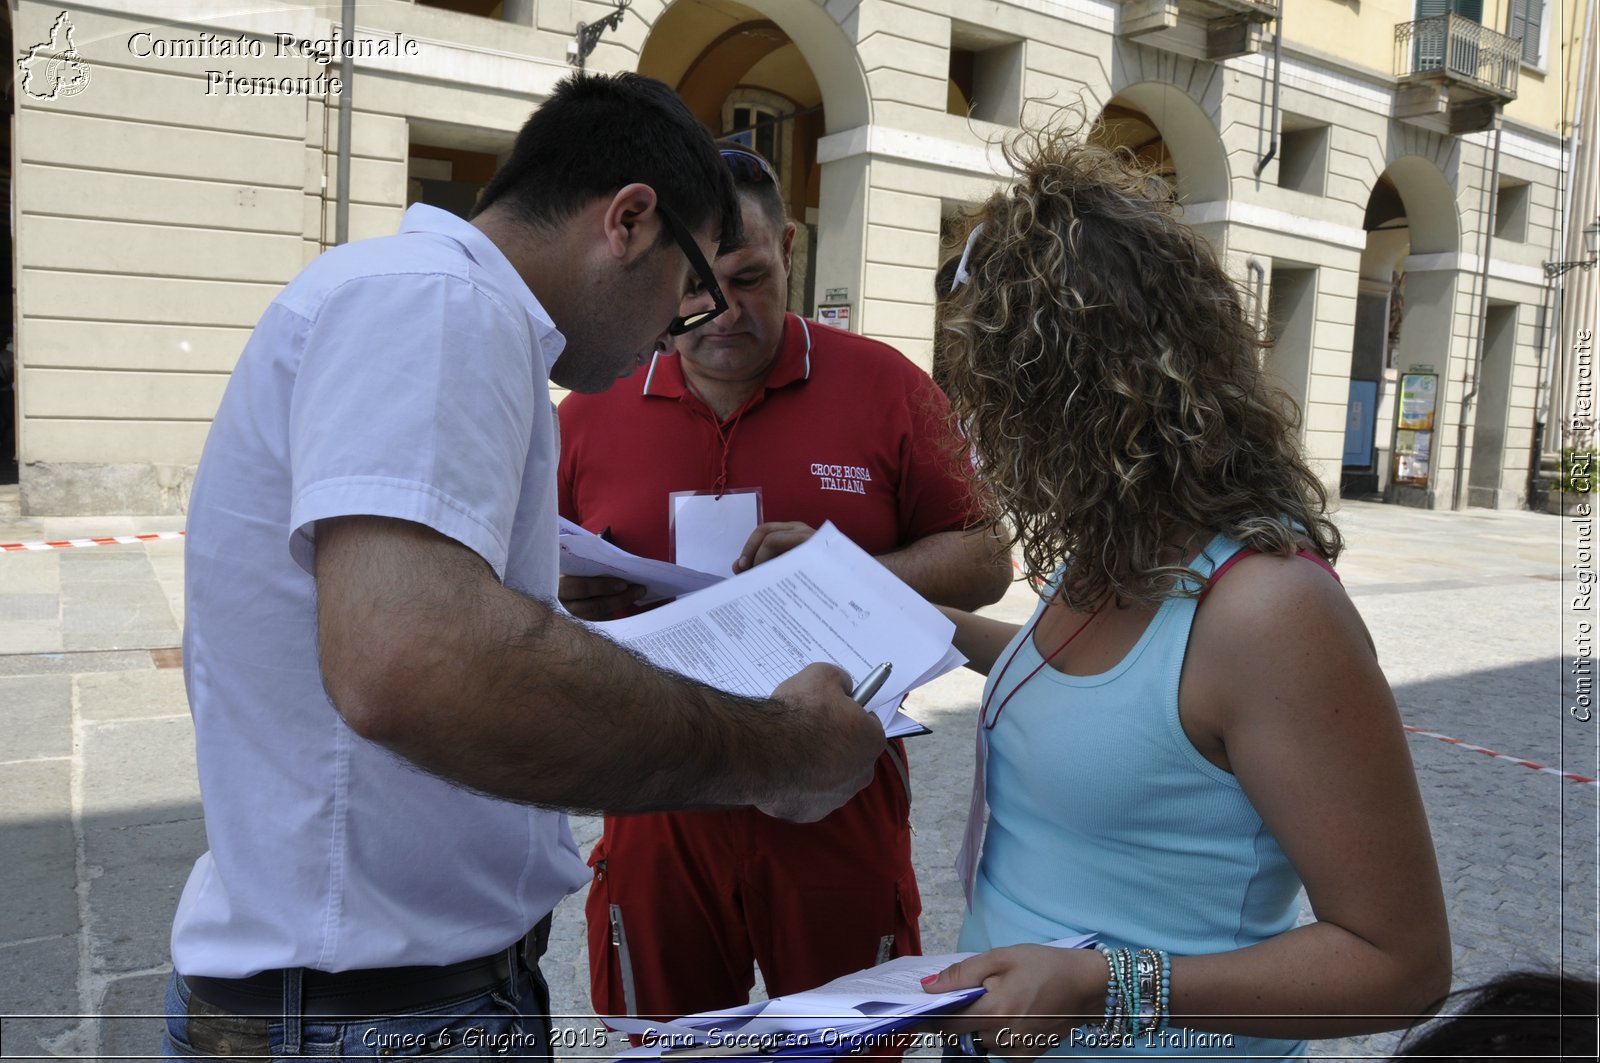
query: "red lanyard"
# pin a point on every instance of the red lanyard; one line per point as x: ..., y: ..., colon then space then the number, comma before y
x: 983, y: 712
x: 726, y: 439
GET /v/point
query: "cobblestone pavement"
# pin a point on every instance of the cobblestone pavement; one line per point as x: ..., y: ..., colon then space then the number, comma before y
x: 100, y: 820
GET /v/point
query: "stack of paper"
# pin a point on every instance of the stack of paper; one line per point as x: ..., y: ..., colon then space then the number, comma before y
x: 583, y: 553
x: 825, y: 600
x: 857, y: 1012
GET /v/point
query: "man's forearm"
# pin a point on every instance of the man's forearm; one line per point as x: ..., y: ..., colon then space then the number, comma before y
x: 961, y: 569
x: 425, y: 653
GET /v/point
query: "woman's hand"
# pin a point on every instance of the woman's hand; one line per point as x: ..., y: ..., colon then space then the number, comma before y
x: 1037, y: 995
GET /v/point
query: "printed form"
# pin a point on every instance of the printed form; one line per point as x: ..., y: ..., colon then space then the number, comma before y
x: 825, y: 600
x: 838, y: 1018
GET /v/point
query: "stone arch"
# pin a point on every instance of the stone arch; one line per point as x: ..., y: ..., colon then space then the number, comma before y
x: 716, y: 51
x: 1179, y: 97
x: 691, y: 27
x: 1189, y: 136
x: 1430, y: 204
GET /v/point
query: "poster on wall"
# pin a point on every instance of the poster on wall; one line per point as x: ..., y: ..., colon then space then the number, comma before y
x: 1412, y: 453
x: 1419, y: 392
x: 1413, y: 437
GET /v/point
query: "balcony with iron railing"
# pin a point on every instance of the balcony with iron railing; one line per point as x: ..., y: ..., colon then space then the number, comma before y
x: 1201, y: 29
x: 1454, y: 73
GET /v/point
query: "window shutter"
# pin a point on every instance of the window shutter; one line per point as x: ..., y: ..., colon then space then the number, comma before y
x: 1533, y: 23
x: 1472, y: 9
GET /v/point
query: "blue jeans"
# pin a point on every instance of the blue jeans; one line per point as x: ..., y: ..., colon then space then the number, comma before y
x: 507, y: 1021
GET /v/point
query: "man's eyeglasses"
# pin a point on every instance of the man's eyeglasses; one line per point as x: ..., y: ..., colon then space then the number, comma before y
x: 697, y: 261
x: 748, y: 168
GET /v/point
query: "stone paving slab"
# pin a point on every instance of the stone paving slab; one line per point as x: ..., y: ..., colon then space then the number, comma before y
x: 34, y: 726
x: 38, y: 994
x: 136, y: 767
x: 42, y: 605
x: 32, y: 636
x: 138, y: 871
x: 128, y: 1037
x: 129, y: 695
x: 39, y: 873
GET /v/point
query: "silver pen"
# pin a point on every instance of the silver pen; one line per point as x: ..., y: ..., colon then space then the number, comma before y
x: 873, y: 683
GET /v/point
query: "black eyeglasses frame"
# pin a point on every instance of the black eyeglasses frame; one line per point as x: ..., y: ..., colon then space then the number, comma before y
x: 697, y: 261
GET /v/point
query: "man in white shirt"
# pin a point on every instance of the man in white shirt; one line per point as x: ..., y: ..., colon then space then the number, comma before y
x: 371, y: 566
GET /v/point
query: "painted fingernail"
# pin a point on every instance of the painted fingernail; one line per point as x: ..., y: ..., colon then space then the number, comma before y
x: 932, y: 978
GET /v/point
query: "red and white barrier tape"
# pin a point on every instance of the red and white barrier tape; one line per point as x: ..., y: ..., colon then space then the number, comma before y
x: 1584, y: 779
x: 98, y: 540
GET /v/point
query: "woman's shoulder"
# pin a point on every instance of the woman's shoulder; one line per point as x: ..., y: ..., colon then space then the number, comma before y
x: 1267, y: 607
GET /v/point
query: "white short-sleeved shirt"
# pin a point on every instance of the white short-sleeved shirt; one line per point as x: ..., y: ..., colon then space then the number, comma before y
x: 403, y: 377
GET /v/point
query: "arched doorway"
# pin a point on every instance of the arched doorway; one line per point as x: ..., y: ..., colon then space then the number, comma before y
x: 1400, y: 351
x: 778, y: 76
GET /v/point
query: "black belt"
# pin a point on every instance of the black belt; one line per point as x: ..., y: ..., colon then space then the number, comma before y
x: 381, y: 991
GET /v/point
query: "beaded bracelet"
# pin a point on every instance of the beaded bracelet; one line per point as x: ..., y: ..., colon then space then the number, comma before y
x: 1138, y: 992
x: 1155, y: 972
x: 1119, y: 1003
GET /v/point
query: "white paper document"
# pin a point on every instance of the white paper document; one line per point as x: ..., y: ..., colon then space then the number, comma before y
x: 583, y: 553
x: 709, y: 530
x: 832, y: 1020
x: 825, y: 600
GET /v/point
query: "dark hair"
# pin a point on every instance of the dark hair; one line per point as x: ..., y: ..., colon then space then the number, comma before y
x: 1522, y: 1014
x: 597, y: 133
x: 761, y: 184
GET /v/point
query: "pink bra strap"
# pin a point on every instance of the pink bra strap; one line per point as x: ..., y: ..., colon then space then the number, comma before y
x: 1247, y: 551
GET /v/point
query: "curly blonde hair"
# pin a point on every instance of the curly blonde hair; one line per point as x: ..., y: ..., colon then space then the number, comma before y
x: 1099, y: 362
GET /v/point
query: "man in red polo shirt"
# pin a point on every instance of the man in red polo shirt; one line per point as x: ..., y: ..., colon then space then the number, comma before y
x: 761, y: 410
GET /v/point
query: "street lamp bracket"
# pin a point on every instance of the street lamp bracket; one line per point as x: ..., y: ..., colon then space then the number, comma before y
x: 588, y: 34
x: 1591, y: 248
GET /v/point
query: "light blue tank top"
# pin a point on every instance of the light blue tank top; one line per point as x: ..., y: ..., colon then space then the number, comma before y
x: 1104, y: 819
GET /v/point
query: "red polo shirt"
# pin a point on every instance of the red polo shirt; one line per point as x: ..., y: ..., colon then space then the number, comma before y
x: 845, y: 429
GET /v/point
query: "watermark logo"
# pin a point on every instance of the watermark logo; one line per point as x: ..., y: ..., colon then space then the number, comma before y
x: 54, y: 69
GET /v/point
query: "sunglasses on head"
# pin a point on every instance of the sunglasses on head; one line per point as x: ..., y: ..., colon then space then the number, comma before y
x: 697, y: 261
x: 747, y: 167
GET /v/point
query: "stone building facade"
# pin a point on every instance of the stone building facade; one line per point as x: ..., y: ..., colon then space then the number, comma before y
x: 1385, y: 177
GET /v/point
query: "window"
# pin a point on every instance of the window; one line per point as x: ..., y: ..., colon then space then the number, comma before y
x: 1527, y: 25
x: 1511, y: 211
x: 764, y: 122
x: 756, y: 127
x: 985, y: 75
x: 1303, y: 157
x: 447, y: 178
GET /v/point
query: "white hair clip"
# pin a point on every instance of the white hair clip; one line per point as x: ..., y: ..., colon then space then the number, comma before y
x: 961, y: 267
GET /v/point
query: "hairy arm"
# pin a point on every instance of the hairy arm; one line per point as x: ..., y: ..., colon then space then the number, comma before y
x: 424, y: 652
x: 964, y: 569
x: 1280, y: 662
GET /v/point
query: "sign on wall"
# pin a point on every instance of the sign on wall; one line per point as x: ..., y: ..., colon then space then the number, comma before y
x: 1413, y: 437
x: 835, y: 314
